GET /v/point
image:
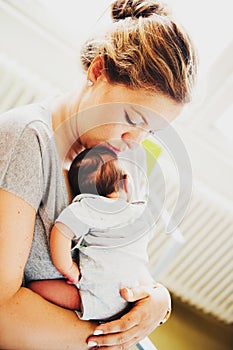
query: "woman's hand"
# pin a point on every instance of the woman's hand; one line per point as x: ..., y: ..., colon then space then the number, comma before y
x: 150, y: 310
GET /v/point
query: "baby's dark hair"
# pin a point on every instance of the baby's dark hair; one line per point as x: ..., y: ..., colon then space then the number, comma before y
x: 94, y: 171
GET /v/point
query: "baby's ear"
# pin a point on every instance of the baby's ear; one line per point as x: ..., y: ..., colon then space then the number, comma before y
x: 126, y: 183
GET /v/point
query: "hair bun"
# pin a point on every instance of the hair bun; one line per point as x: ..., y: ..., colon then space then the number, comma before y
x: 122, y: 9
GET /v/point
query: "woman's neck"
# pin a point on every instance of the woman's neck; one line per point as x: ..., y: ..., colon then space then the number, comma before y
x: 64, y: 123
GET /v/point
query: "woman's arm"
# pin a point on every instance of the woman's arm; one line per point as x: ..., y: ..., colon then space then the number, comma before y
x: 60, y: 247
x: 27, y: 321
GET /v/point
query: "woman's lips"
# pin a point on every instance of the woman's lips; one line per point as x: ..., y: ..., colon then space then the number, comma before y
x: 113, y: 148
x: 127, y: 145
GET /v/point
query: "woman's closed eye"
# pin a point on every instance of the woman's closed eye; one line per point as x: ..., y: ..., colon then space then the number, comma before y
x: 137, y: 120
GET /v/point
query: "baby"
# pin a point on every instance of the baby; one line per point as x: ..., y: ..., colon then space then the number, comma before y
x: 109, y: 232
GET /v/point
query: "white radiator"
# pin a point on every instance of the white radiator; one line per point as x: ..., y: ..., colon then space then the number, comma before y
x: 198, y: 268
x: 18, y: 86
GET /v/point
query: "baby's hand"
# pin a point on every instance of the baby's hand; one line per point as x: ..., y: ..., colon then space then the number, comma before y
x: 73, y: 274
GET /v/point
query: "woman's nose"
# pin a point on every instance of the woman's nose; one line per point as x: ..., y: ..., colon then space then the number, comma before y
x: 134, y: 137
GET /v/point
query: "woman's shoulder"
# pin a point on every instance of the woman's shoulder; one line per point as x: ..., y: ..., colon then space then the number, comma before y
x: 32, y: 121
x: 34, y: 115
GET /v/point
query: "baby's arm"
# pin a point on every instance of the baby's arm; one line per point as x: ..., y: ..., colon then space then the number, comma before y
x: 58, y: 291
x: 60, y: 247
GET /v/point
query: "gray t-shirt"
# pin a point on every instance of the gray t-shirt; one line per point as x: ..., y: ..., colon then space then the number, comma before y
x: 30, y: 168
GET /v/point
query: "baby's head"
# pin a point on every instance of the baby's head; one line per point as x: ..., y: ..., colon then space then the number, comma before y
x: 97, y: 171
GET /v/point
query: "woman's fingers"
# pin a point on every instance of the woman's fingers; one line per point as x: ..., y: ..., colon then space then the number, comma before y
x: 121, y: 340
x: 136, y: 293
x: 125, y: 323
x: 128, y: 330
x: 124, y: 346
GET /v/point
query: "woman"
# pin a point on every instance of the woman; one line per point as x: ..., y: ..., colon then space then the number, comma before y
x: 143, y: 63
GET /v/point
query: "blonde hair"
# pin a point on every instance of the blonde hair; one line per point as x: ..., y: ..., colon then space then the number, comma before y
x: 146, y: 49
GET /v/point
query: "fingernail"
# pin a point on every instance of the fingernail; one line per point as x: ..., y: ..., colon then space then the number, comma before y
x: 129, y: 293
x: 98, y: 332
x: 91, y: 343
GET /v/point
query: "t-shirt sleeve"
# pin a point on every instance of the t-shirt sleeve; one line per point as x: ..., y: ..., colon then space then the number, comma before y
x: 72, y: 220
x: 21, y: 168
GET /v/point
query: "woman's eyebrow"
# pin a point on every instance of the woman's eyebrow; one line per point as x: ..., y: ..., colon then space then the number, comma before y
x: 141, y: 115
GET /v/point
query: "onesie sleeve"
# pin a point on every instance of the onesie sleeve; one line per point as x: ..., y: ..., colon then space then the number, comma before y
x: 21, y: 166
x: 71, y: 218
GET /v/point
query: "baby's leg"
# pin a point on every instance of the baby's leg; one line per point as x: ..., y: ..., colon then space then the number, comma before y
x: 58, y: 292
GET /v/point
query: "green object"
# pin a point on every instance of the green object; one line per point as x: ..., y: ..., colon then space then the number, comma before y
x: 153, y: 151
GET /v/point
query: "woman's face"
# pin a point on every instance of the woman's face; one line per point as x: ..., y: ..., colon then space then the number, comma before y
x: 121, y: 117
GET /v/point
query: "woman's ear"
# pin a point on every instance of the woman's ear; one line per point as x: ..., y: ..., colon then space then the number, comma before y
x: 96, y: 69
